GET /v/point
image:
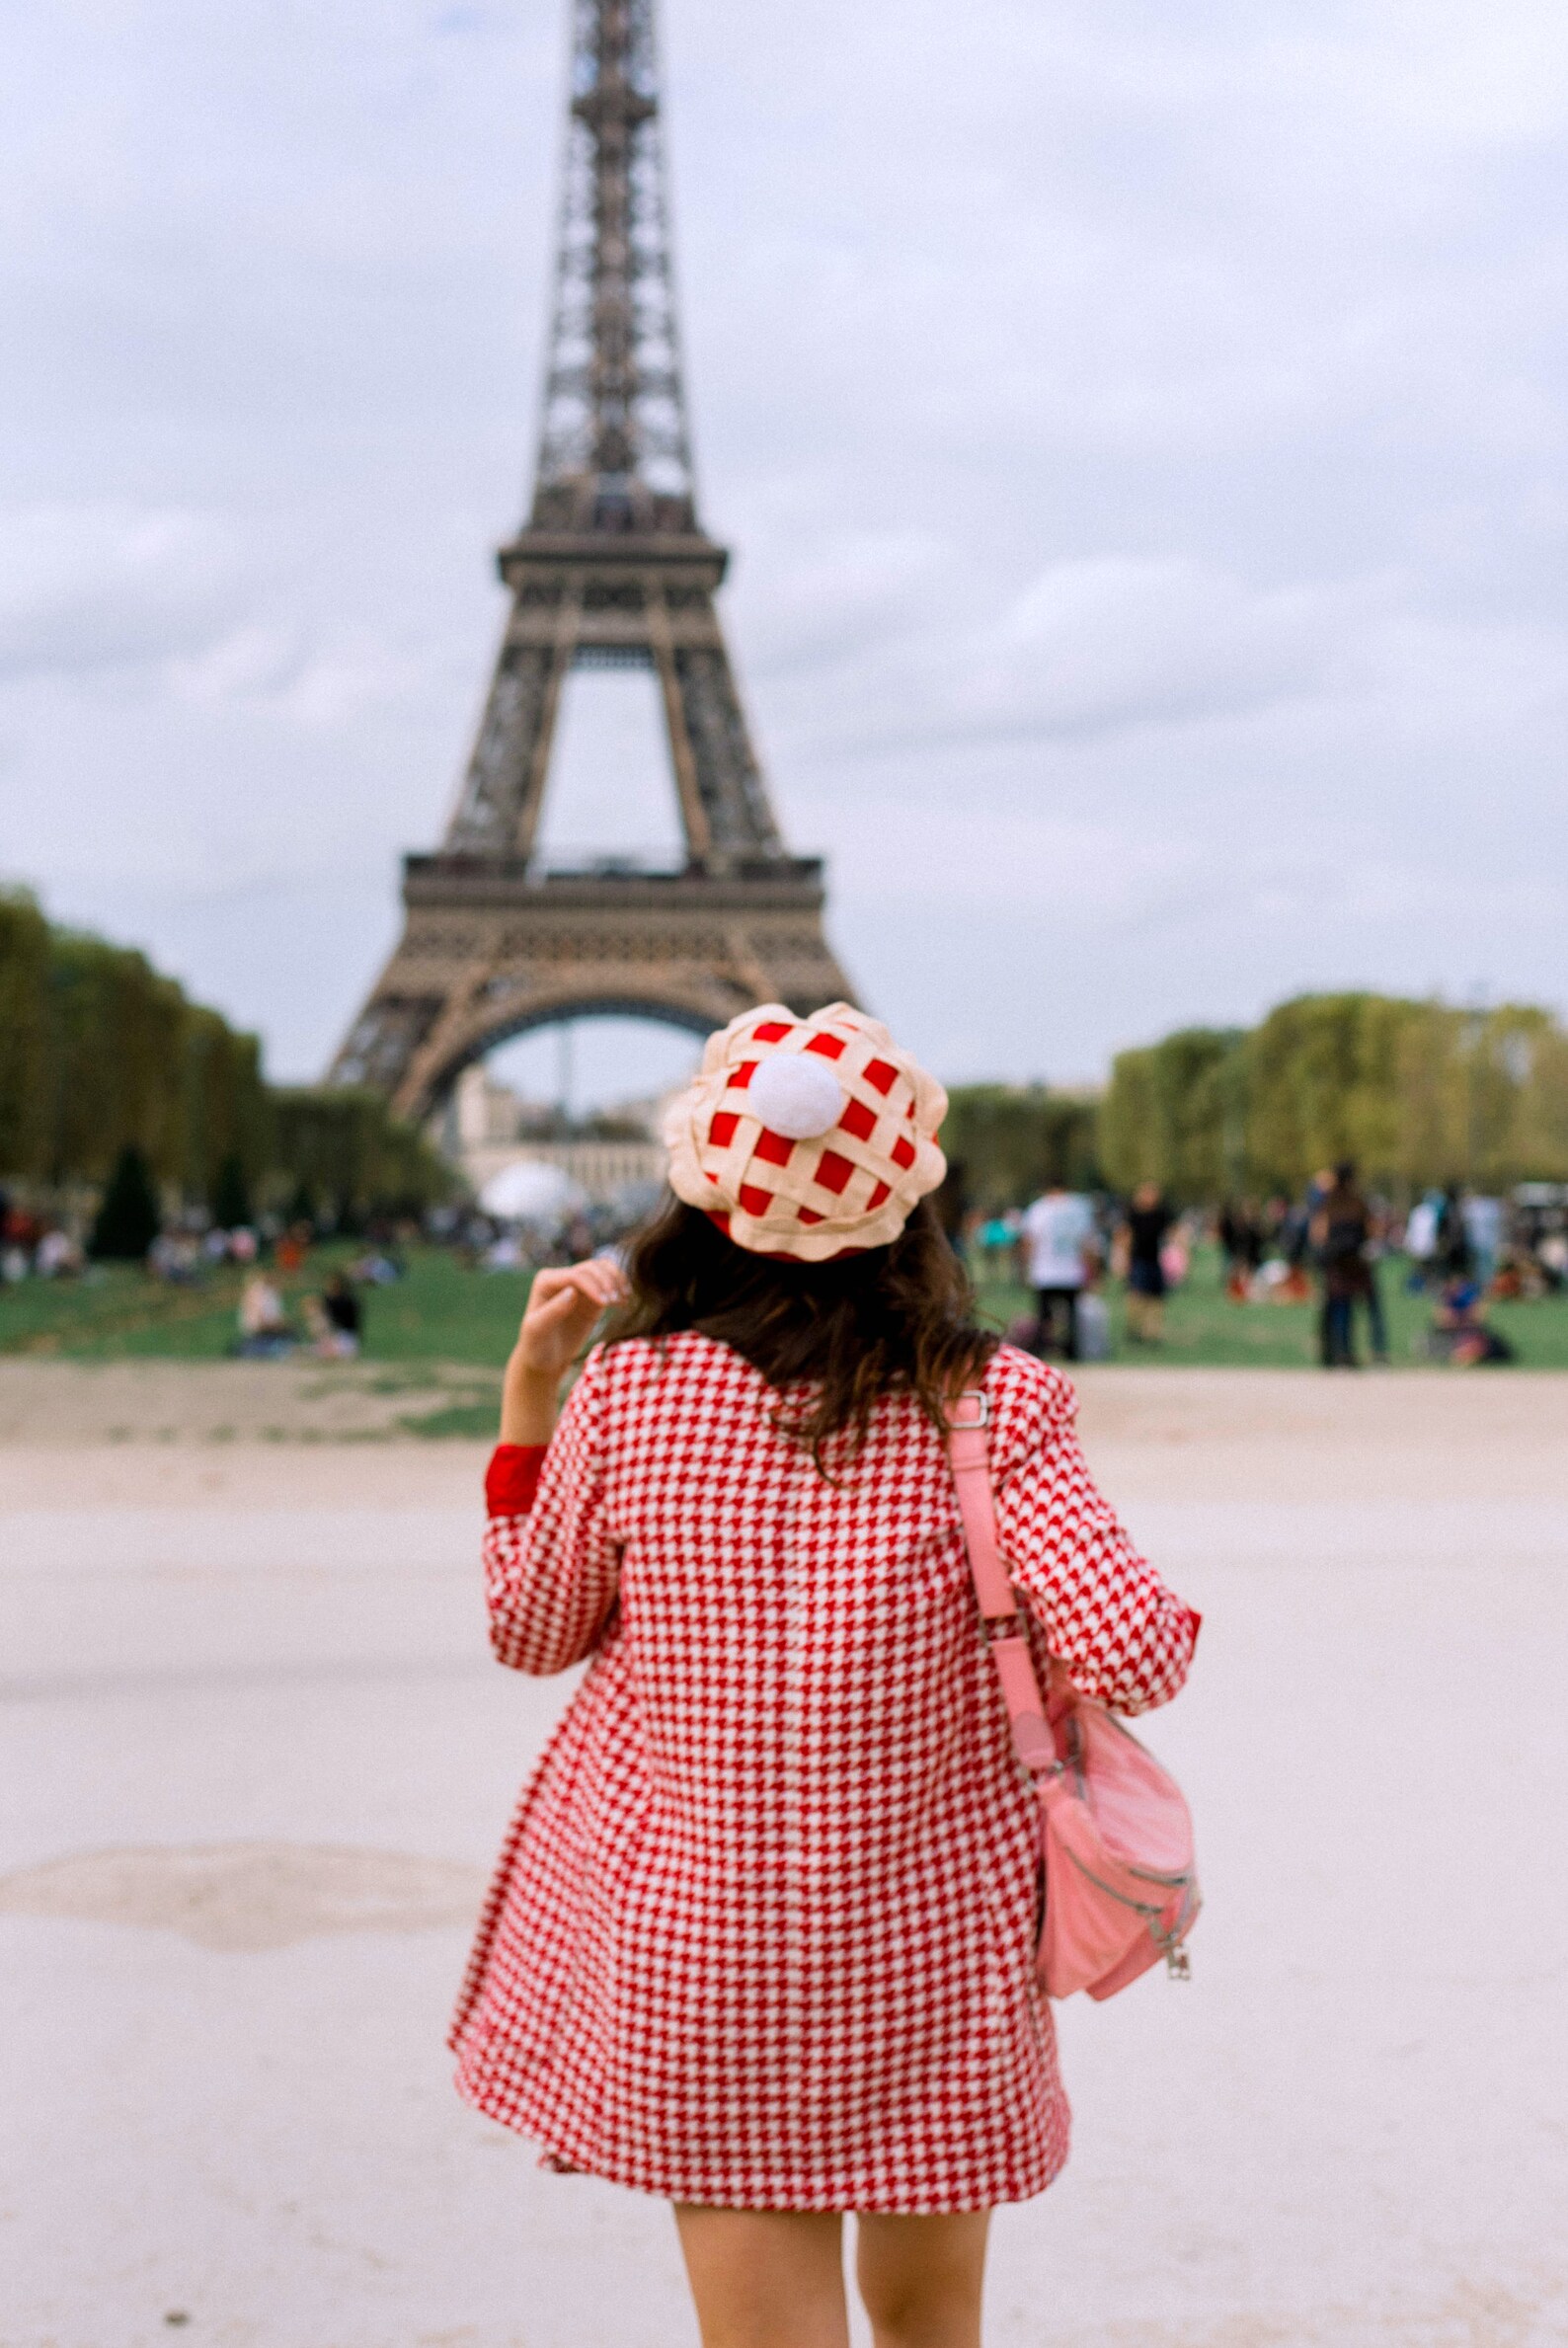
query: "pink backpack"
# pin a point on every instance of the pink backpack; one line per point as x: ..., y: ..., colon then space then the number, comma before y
x: 1115, y: 1835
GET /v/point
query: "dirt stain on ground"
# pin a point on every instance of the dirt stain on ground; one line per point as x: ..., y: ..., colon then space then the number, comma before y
x: 239, y: 1897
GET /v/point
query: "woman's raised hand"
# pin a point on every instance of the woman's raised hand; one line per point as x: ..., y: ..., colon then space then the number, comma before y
x: 564, y: 1305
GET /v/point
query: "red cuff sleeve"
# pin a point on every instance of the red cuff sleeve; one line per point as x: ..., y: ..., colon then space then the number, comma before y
x: 512, y: 1478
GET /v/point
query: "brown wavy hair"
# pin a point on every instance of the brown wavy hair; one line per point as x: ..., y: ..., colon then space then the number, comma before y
x: 831, y: 1338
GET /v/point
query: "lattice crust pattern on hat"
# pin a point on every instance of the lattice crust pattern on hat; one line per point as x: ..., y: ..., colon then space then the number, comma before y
x: 842, y: 1164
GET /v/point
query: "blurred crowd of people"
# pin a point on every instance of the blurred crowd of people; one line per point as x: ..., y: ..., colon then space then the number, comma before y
x: 330, y: 1324
x: 1333, y: 1244
x: 327, y: 1323
x: 36, y: 1246
x: 41, y: 1246
x: 1065, y: 1246
x: 1461, y: 1250
x: 496, y: 1243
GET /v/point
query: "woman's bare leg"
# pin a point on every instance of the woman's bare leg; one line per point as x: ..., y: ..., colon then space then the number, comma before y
x: 921, y: 2278
x: 766, y: 2278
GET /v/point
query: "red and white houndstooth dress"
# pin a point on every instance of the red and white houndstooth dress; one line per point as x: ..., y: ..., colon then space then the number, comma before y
x: 760, y: 1932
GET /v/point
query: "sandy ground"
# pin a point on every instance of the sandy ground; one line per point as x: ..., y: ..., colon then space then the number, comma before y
x: 256, y: 1759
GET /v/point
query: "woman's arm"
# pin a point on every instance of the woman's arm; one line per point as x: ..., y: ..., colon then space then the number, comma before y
x: 551, y: 1571
x: 563, y: 1308
x: 1122, y: 1636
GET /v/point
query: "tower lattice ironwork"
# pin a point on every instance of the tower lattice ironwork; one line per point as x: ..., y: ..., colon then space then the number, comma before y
x: 612, y: 569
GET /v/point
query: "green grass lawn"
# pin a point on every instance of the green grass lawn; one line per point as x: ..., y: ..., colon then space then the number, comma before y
x: 443, y: 1312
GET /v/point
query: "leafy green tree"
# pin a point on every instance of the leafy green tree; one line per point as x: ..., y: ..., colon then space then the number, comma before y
x: 24, y: 1035
x: 342, y: 1149
x: 302, y: 1207
x: 128, y: 1220
x: 125, y: 1058
x: 225, y: 1117
x: 1414, y: 1092
x: 1323, y: 1084
x: 101, y: 1055
x: 1534, y: 1050
x: 1133, y: 1143
x: 230, y: 1203
x: 1174, y: 1113
x: 1013, y: 1139
x: 116, y: 1044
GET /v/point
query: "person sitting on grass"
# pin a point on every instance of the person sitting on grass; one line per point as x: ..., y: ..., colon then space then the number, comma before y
x: 1459, y: 1333
x: 264, y: 1331
x: 345, y: 1318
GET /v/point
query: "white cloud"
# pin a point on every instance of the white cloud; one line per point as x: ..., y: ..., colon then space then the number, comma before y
x: 1110, y: 643
x: 245, y: 664
x: 322, y: 688
x: 839, y: 601
x: 85, y: 589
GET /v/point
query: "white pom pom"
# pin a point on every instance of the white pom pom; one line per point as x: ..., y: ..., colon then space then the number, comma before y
x: 797, y: 1094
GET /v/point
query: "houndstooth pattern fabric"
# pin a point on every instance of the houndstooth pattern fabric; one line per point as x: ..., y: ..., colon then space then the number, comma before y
x: 761, y: 1930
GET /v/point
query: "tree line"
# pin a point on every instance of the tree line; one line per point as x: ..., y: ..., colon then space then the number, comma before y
x: 1418, y: 1093
x: 102, y: 1055
x: 1006, y: 1142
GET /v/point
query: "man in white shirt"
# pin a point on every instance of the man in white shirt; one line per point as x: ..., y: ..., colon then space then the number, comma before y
x: 1054, y: 1243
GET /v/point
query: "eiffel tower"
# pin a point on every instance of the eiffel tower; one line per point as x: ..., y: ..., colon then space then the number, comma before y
x: 611, y: 570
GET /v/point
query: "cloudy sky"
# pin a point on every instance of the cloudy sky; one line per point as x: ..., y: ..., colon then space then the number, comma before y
x: 1139, y: 427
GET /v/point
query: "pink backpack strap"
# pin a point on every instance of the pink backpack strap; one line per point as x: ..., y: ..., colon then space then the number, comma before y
x: 967, y: 1418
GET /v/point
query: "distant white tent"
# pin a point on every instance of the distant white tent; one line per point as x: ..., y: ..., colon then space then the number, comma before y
x: 530, y: 1192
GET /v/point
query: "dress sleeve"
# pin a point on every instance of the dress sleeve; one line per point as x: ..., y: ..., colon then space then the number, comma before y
x: 551, y: 1569
x: 512, y: 1478
x: 1121, y: 1635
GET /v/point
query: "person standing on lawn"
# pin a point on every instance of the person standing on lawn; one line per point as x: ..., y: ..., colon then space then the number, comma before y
x: 1146, y: 1223
x: 761, y: 1935
x: 1055, y: 1241
x: 1341, y: 1231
